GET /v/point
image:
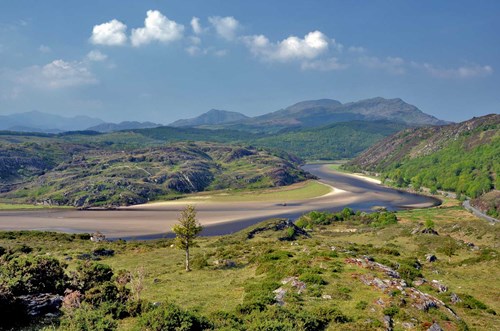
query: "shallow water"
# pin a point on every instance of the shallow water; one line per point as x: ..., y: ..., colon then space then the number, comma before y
x: 151, y: 222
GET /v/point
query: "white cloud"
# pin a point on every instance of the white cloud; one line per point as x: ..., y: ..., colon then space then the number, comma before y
x: 196, y: 26
x: 96, y: 56
x: 311, y: 46
x: 157, y: 27
x: 44, y: 49
x: 111, y: 33
x: 226, y: 27
x: 469, y: 71
x: 195, y: 50
x: 55, y: 75
x: 393, y: 65
x: 324, y: 65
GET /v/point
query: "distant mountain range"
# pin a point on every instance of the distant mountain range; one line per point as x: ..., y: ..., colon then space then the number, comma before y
x: 316, y: 113
x: 36, y: 121
x: 305, y: 114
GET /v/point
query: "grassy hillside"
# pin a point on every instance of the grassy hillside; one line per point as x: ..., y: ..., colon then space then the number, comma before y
x: 101, y: 177
x: 340, y: 275
x: 463, y: 157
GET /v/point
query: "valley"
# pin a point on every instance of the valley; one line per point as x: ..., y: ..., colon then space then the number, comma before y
x: 154, y: 220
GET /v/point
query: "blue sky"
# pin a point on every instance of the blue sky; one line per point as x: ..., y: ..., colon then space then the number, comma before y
x: 164, y: 60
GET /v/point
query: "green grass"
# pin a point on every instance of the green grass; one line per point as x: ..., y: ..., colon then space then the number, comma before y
x: 299, y: 191
x: 265, y: 260
x: 21, y: 206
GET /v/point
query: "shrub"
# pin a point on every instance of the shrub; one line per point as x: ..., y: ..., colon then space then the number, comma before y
x: 171, y: 318
x: 361, y: 305
x: 199, y: 261
x: 87, y: 318
x: 91, y: 274
x: 28, y: 275
x: 311, y: 278
x: 391, y: 311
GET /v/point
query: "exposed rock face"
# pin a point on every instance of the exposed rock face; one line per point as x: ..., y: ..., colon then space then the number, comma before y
x: 41, y: 304
x: 435, y: 327
x: 430, y: 258
x: 278, y: 225
x: 418, y: 299
x: 439, y: 286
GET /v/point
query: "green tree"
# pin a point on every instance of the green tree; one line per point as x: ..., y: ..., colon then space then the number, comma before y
x: 186, y: 231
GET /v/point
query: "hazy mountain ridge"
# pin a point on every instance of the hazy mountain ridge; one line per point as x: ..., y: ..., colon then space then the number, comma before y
x: 315, y: 113
x: 43, y: 122
x: 212, y: 117
x: 125, y: 125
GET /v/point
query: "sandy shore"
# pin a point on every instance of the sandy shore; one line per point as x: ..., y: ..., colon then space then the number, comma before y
x: 156, y: 219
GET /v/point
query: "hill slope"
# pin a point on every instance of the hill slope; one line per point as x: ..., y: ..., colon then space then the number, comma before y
x: 331, y: 142
x: 463, y: 157
x: 102, y: 177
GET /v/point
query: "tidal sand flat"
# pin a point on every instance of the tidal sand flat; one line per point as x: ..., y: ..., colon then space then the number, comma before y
x: 218, y: 217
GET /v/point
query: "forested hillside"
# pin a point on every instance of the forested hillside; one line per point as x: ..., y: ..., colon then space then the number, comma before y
x: 335, y: 141
x: 463, y: 157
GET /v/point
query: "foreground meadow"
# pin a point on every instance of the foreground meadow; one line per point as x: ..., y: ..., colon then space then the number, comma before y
x: 344, y: 271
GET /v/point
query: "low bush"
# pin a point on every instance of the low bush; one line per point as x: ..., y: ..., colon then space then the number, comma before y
x: 30, y: 275
x: 87, y: 318
x: 170, y: 317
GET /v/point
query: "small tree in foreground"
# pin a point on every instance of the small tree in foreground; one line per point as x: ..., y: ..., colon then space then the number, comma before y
x: 186, y: 231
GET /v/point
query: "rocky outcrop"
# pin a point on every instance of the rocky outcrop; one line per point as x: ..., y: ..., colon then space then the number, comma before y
x: 41, y: 304
x: 279, y: 225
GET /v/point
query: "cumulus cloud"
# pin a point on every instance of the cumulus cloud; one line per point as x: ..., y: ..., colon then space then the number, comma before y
x: 55, y: 75
x: 157, y: 27
x: 96, y: 56
x: 311, y: 46
x: 324, y: 65
x: 226, y: 27
x: 469, y: 71
x: 111, y: 33
x: 196, y: 26
x: 393, y: 65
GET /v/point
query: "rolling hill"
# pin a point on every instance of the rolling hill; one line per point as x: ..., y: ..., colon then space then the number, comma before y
x: 56, y: 172
x: 462, y: 157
